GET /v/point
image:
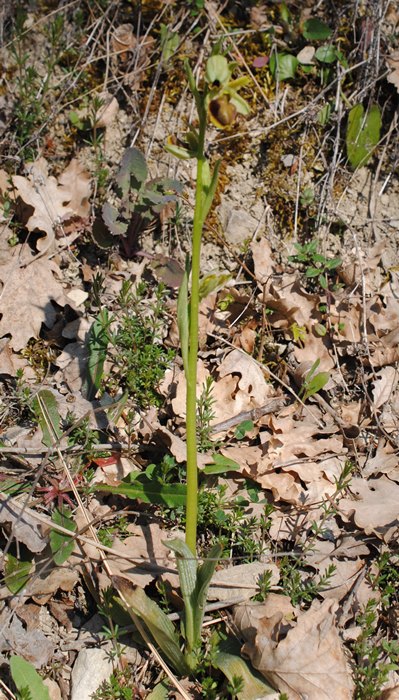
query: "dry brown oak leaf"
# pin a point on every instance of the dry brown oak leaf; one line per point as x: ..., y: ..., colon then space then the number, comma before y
x: 374, y: 506
x: 305, y: 659
x: 51, y: 202
x: 25, y: 297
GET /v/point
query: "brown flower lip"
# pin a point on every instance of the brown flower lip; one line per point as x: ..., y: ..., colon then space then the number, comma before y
x: 222, y: 110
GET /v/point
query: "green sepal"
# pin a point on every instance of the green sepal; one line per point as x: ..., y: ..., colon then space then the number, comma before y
x: 239, y: 103
x: 239, y: 82
x: 217, y: 70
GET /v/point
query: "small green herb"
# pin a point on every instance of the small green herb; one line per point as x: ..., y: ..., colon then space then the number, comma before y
x: 317, y: 266
x: 313, y: 382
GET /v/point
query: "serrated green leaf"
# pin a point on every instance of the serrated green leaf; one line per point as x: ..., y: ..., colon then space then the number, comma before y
x: 172, y: 495
x: 316, y: 30
x: 283, y: 66
x: 362, y: 134
x: 16, y: 572
x: 326, y: 54
x: 221, y: 465
x: 46, y: 410
x: 183, y: 316
x: 110, y: 218
x: 312, y: 272
x: 133, y: 171
x: 333, y: 264
x: 62, y: 545
x: 24, y: 675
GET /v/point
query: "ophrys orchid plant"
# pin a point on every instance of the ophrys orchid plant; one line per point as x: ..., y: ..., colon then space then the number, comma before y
x: 217, y: 101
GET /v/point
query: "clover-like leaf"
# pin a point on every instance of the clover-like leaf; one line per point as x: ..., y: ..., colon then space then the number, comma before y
x: 283, y: 66
x: 110, y: 217
x: 133, y: 170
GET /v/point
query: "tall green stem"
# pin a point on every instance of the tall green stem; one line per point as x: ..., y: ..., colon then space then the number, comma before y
x: 191, y: 401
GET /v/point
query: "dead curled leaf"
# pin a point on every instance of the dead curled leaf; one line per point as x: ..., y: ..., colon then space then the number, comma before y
x: 24, y: 526
x: 123, y: 40
x: 374, y: 506
x: 305, y: 659
x: 42, y: 589
x: 107, y: 112
x: 52, y: 201
x: 32, y: 644
x: 240, y: 582
x: 26, y: 297
x: 74, y: 185
x: 393, y: 63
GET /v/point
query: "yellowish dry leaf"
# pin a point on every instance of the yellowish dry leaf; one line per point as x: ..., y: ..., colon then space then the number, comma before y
x: 302, y: 660
x: 74, y: 184
x: 374, y: 506
x: 26, y: 297
x: 241, y: 582
x: 393, y: 64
